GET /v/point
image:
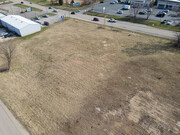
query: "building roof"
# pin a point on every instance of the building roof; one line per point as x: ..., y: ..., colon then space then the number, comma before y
x: 170, y: 0
x: 17, y: 21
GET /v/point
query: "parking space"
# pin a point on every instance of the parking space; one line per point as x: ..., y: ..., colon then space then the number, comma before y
x: 5, y: 34
x: 112, y: 9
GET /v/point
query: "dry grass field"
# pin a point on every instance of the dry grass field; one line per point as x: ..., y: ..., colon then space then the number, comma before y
x: 76, y: 78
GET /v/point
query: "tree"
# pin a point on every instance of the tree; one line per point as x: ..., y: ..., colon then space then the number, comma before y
x: 135, y: 9
x: 177, y: 44
x: 7, y: 50
x: 60, y: 2
x: 149, y: 10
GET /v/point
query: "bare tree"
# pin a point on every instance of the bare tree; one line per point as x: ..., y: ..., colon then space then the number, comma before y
x: 136, y: 8
x: 7, y: 50
x: 149, y: 9
x: 177, y: 44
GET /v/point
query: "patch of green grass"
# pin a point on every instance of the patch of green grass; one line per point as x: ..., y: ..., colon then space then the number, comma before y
x: 155, y: 24
x: 6, y: 2
x: 25, y: 6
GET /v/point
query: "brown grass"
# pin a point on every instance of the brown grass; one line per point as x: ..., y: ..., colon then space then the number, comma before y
x: 60, y: 77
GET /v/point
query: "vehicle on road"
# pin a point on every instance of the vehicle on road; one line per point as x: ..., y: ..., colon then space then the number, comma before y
x: 161, y: 14
x: 22, y: 2
x: 101, y: 2
x: 126, y: 7
x: 164, y: 21
x: 165, y: 11
x: 143, y: 12
x: 30, y: 3
x: 55, y: 10
x: 112, y: 20
x: 170, y: 22
x: 23, y: 11
x: 112, y: 2
x: 120, y: 12
x: 77, y: 11
x: 37, y: 18
x: 45, y: 16
x: 50, y: 7
x: 73, y: 13
x: 3, y: 34
x: 8, y: 35
x: 46, y: 23
x: 95, y: 19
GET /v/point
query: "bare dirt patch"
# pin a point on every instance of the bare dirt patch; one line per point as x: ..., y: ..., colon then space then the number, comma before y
x: 77, y: 79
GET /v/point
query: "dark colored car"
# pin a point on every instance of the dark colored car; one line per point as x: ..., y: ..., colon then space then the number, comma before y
x: 142, y: 12
x: 101, y: 1
x: 22, y: 2
x: 73, y: 13
x: 46, y: 23
x: 161, y: 14
x: 45, y: 16
x: 8, y: 35
x: 95, y: 19
x: 164, y: 21
x: 50, y: 7
x: 37, y: 18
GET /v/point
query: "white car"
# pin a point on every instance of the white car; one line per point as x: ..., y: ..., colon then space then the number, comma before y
x: 126, y: 7
x: 120, y: 12
x: 112, y: 2
x: 170, y: 22
x: 112, y: 20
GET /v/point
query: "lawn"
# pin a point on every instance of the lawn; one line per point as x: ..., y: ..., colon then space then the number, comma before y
x: 78, y: 78
x: 6, y: 2
x: 151, y: 23
x: 25, y: 6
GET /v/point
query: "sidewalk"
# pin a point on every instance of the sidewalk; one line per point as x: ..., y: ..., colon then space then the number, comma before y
x: 9, y: 124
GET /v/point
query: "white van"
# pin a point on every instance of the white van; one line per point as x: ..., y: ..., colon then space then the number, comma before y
x: 126, y: 7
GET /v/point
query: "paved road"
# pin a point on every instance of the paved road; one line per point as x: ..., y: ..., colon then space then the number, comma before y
x: 120, y: 24
x: 113, y: 8
x: 8, y: 123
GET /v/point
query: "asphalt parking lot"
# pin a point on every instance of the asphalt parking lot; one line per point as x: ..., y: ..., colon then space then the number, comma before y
x: 113, y: 8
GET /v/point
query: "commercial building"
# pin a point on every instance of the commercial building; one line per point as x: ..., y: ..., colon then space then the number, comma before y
x: 20, y: 25
x: 168, y: 4
x: 141, y: 2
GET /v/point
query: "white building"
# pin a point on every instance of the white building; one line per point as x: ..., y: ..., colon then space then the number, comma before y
x: 141, y: 2
x: 20, y: 25
x: 168, y: 4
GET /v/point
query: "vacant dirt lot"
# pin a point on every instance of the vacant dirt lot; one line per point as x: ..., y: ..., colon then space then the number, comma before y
x: 79, y: 79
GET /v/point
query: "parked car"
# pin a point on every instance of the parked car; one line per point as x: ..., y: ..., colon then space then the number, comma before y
x: 149, y: 10
x: 165, y: 11
x: 73, y: 13
x: 120, y: 12
x: 55, y: 10
x: 164, y: 21
x: 126, y: 7
x: 45, y: 16
x: 30, y: 3
x: 46, y: 23
x: 22, y: 2
x: 178, y: 24
x: 3, y: 33
x: 50, y: 7
x: 8, y: 35
x: 23, y: 11
x: 116, y: 1
x: 37, y: 18
x: 77, y: 11
x: 101, y: 1
x: 112, y: 20
x: 143, y: 12
x: 162, y: 14
x: 95, y: 19
x: 170, y: 22
x: 112, y: 2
